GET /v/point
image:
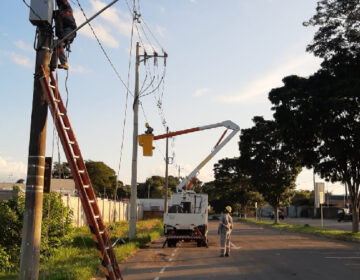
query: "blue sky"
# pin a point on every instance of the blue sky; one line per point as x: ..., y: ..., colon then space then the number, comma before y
x: 224, y: 58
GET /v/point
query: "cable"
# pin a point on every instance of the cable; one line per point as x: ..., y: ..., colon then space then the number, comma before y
x: 126, y: 102
x: 103, y: 50
x: 35, y: 13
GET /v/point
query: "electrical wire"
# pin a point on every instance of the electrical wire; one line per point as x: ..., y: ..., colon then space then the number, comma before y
x: 103, y: 50
x: 126, y: 102
x: 35, y: 13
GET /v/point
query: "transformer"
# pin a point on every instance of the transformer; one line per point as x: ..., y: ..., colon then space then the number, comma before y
x: 41, y: 12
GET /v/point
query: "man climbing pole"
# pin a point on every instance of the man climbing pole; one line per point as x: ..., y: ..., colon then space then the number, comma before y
x: 225, y: 228
x: 64, y: 24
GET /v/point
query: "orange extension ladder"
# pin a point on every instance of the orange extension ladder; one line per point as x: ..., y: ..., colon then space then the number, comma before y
x: 83, y: 185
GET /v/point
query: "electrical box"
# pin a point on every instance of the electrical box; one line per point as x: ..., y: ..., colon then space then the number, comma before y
x: 145, y: 140
x: 41, y: 12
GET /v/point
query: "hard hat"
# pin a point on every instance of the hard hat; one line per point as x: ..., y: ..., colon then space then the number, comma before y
x: 146, y: 125
x: 228, y: 208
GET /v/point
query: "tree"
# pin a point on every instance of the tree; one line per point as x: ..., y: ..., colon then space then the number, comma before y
x: 61, y: 171
x: 157, y: 186
x: 123, y: 191
x: 319, y: 118
x: 268, y: 162
x: 103, y: 178
x: 234, y: 186
x: 337, y: 39
x: 302, y: 197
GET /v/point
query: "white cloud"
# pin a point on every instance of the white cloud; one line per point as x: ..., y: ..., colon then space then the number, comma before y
x: 79, y: 69
x: 160, y: 30
x: 111, y: 15
x: 103, y: 32
x: 193, y: 1
x: 202, y: 91
x: 18, y: 59
x: 258, y: 89
x: 23, y: 46
x: 11, y: 170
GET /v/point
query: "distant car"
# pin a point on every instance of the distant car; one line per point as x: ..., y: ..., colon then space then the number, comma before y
x: 281, y: 215
x: 344, y: 214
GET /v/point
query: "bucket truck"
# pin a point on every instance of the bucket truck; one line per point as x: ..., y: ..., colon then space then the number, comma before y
x: 187, y: 215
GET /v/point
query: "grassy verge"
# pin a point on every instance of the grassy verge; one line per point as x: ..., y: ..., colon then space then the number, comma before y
x: 79, y: 260
x: 317, y: 231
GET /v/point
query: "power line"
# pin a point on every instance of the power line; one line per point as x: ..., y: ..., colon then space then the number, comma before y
x: 103, y: 50
x: 127, y: 96
x: 35, y: 13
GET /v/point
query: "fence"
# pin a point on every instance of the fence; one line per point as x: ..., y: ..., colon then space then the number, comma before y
x: 111, y: 211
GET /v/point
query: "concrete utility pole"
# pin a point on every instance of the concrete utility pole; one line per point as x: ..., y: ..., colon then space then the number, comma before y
x: 133, y: 198
x: 166, y: 173
x: 31, y: 233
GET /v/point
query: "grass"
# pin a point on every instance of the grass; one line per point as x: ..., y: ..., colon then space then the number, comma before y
x: 79, y: 260
x: 317, y: 231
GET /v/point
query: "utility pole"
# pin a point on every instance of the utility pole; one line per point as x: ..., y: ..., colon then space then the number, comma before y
x: 31, y: 233
x: 133, y: 198
x: 166, y: 173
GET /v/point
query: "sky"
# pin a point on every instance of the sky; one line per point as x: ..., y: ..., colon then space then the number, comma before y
x: 223, y: 59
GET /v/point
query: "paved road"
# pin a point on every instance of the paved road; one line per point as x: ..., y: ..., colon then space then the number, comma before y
x: 331, y: 224
x: 257, y: 254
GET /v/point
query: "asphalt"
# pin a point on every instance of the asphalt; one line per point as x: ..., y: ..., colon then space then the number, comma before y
x: 257, y: 254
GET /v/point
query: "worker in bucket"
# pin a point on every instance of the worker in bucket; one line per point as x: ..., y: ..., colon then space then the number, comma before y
x: 225, y: 228
x: 64, y: 24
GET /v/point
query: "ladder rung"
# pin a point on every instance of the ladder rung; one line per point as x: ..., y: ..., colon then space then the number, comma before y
x: 86, y: 186
x: 97, y: 217
x: 91, y: 201
x: 71, y: 142
x: 57, y: 100
x: 107, y: 248
x: 52, y: 86
x: 102, y: 232
x: 61, y: 114
x: 76, y: 157
x: 66, y: 127
x: 81, y: 171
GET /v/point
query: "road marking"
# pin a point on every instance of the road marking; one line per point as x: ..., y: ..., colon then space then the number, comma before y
x: 342, y: 258
x: 162, y: 270
x: 234, y: 246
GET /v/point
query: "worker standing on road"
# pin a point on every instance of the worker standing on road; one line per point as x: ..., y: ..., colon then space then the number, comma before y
x: 64, y: 24
x: 225, y: 228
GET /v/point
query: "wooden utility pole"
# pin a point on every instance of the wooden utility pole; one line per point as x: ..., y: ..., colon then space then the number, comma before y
x: 31, y: 233
x: 166, y: 172
x: 133, y: 198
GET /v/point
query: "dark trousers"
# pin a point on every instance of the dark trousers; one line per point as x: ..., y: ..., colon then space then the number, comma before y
x: 58, y: 53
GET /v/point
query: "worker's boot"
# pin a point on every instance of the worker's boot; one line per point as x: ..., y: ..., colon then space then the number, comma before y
x: 64, y: 66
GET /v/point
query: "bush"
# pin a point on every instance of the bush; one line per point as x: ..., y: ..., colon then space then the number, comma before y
x: 56, y: 228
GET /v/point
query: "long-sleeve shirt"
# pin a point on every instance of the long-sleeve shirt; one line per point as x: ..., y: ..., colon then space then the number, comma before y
x: 226, y: 223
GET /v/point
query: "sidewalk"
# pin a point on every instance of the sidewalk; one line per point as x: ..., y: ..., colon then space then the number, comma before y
x: 331, y: 224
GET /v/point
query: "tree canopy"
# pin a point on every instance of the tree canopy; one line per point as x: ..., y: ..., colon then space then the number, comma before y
x: 266, y: 159
x: 103, y: 178
x: 337, y: 39
x: 157, y: 186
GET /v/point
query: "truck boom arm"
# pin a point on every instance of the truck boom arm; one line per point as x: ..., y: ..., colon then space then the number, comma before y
x: 217, y: 148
